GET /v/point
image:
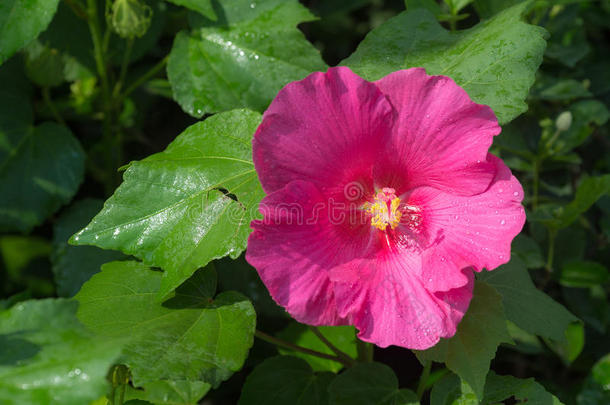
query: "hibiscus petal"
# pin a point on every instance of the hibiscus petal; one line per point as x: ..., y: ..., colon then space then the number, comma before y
x: 323, y: 129
x: 472, y: 231
x: 293, y: 247
x: 390, y: 306
x: 440, y: 138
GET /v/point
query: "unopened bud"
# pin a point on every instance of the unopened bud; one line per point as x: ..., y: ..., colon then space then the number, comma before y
x: 564, y: 121
x: 130, y: 18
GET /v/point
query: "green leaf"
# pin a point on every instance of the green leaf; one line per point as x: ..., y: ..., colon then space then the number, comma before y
x: 450, y: 391
x: 568, y: 40
x: 489, y: 8
x: 501, y: 387
x: 479, y: 334
x: 189, y: 337
x: 46, y: 356
x: 453, y: 391
x: 342, y: 337
x: 571, y: 347
x: 431, y: 5
x: 170, y: 392
x: 494, y: 61
x: 583, y: 274
x: 40, y: 167
x: 244, y: 60
x: 586, y: 115
x: 43, y: 65
x: 21, y: 21
x: 18, y: 251
x: 590, y: 305
x: 566, y: 89
x: 527, y: 307
x: 589, y: 191
x: 73, y: 265
x: 177, y: 209
x: 285, y: 380
x: 369, y: 384
x: 238, y: 275
x: 457, y: 5
x: 596, y: 388
x: 525, y: 342
x: 601, y: 372
x: 41, y: 171
x: 528, y: 250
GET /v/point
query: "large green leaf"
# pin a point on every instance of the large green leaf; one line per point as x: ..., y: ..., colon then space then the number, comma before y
x: 47, y: 357
x: 240, y: 58
x: 369, y: 384
x: 526, y: 306
x: 21, y: 21
x: 192, y: 336
x: 285, y: 380
x: 342, y: 337
x: 190, y: 204
x: 170, y: 392
x: 40, y: 168
x: 73, y: 265
x: 494, y: 61
x: 450, y: 391
x: 481, y: 331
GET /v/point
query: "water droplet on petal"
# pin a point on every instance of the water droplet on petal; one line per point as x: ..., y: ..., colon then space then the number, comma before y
x: 502, y: 222
x: 516, y: 193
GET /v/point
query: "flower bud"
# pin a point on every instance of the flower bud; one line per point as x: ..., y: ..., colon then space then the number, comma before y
x: 130, y: 18
x: 564, y: 121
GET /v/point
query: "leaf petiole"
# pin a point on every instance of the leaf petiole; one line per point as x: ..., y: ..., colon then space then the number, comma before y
x: 279, y: 342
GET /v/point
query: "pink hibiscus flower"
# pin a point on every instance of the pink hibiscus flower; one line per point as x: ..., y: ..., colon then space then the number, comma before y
x: 382, y: 200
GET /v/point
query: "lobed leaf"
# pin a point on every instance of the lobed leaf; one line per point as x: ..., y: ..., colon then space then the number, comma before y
x: 188, y: 205
x: 242, y: 57
x: 369, y: 384
x: 21, y: 21
x: 192, y: 336
x: 494, y: 62
x: 525, y: 305
x: 47, y: 357
x: 285, y: 380
x: 481, y: 331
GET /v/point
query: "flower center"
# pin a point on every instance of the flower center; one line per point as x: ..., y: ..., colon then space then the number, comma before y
x: 384, y: 211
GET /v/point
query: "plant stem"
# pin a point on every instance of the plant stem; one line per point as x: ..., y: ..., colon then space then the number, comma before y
x: 145, y: 77
x: 279, y: 342
x: 122, y: 395
x: 423, y: 379
x: 46, y: 94
x: 124, y: 65
x: 365, y: 351
x: 452, y: 25
x: 536, y: 163
x: 551, y: 250
x: 346, y: 357
x: 98, y: 50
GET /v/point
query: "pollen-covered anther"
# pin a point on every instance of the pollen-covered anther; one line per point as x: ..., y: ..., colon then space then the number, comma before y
x: 384, y: 210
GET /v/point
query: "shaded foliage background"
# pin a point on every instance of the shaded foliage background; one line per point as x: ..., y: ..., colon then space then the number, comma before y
x: 53, y: 91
